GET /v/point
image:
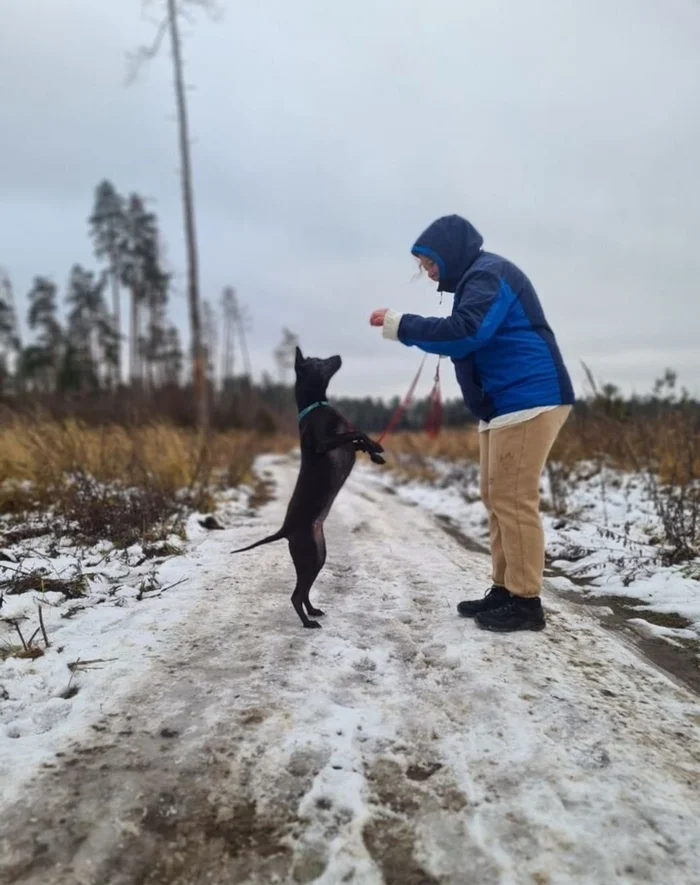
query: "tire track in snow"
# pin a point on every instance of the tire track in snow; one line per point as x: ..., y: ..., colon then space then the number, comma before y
x: 398, y: 745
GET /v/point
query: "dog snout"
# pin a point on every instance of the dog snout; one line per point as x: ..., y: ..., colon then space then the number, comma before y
x: 333, y: 363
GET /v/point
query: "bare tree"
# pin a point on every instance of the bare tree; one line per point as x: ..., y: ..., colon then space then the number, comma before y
x: 228, y: 354
x: 284, y: 354
x: 210, y: 339
x: 171, y: 25
x: 236, y: 322
x: 243, y: 323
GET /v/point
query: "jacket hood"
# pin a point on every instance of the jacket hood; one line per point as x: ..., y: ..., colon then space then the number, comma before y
x: 453, y: 244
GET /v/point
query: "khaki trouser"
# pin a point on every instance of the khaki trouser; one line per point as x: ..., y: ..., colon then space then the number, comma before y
x: 512, y: 461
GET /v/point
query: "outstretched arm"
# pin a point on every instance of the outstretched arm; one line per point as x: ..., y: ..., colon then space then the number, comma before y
x: 482, y: 308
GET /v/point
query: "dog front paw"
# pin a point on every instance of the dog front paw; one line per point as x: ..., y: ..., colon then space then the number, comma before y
x: 376, y: 459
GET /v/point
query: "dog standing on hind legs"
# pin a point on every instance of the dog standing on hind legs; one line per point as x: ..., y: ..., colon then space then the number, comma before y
x: 328, y: 447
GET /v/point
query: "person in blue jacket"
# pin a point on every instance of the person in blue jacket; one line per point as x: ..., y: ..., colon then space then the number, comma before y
x: 514, y: 380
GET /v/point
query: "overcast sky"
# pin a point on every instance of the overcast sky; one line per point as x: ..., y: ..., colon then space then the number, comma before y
x: 328, y: 135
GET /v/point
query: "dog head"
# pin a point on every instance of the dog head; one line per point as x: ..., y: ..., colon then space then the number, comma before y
x: 314, y: 374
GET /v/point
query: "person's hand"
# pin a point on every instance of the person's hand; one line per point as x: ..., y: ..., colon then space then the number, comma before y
x: 377, y: 318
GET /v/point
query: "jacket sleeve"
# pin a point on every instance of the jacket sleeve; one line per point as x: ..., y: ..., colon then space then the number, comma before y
x: 482, y: 308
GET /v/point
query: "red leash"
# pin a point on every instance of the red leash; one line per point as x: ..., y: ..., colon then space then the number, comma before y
x: 432, y: 423
x: 398, y: 414
x: 433, y: 418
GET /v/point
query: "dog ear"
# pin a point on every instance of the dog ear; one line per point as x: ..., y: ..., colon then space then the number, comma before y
x: 298, y: 358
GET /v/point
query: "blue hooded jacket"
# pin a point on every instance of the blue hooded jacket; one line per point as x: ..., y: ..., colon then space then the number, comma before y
x: 505, y: 355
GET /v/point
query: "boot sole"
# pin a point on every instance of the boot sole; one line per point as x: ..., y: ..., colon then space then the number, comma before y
x: 476, y: 614
x: 473, y: 614
x: 534, y: 628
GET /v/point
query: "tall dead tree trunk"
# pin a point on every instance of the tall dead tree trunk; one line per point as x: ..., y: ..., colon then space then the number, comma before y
x: 198, y: 358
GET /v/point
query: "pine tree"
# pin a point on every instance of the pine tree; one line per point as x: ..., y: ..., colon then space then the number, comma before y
x: 9, y: 333
x: 90, y: 335
x: 172, y: 359
x: 41, y: 360
x: 157, y: 291
x: 156, y: 340
x: 143, y: 275
x: 108, y: 229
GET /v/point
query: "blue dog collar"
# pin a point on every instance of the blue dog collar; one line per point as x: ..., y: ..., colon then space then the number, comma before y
x: 308, y: 409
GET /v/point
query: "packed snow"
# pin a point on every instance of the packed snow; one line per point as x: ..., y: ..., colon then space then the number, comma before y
x: 221, y: 742
x: 99, y: 640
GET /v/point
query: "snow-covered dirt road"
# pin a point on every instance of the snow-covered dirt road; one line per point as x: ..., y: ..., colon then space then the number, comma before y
x: 397, y: 745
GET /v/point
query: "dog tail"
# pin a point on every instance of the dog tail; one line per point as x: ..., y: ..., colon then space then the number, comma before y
x: 270, y: 538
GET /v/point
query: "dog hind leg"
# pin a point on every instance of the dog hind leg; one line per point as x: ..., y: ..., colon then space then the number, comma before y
x: 320, y: 542
x: 308, y: 560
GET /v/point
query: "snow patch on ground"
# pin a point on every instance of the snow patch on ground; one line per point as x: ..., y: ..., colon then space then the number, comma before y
x: 604, y: 543
x: 102, y: 642
x: 399, y: 744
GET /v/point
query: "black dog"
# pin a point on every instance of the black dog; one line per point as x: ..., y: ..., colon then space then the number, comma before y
x: 328, y: 446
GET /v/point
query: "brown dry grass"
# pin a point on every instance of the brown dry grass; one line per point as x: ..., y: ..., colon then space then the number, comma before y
x: 123, y: 480
x: 451, y: 445
x: 670, y: 445
x: 139, y: 483
x: 172, y: 458
x: 409, y: 453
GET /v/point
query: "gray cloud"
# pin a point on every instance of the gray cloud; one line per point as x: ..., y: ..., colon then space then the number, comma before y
x: 328, y: 135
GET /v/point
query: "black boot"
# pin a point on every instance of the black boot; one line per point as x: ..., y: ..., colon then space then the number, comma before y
x: 495, y: 598
x: 519, y: 613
